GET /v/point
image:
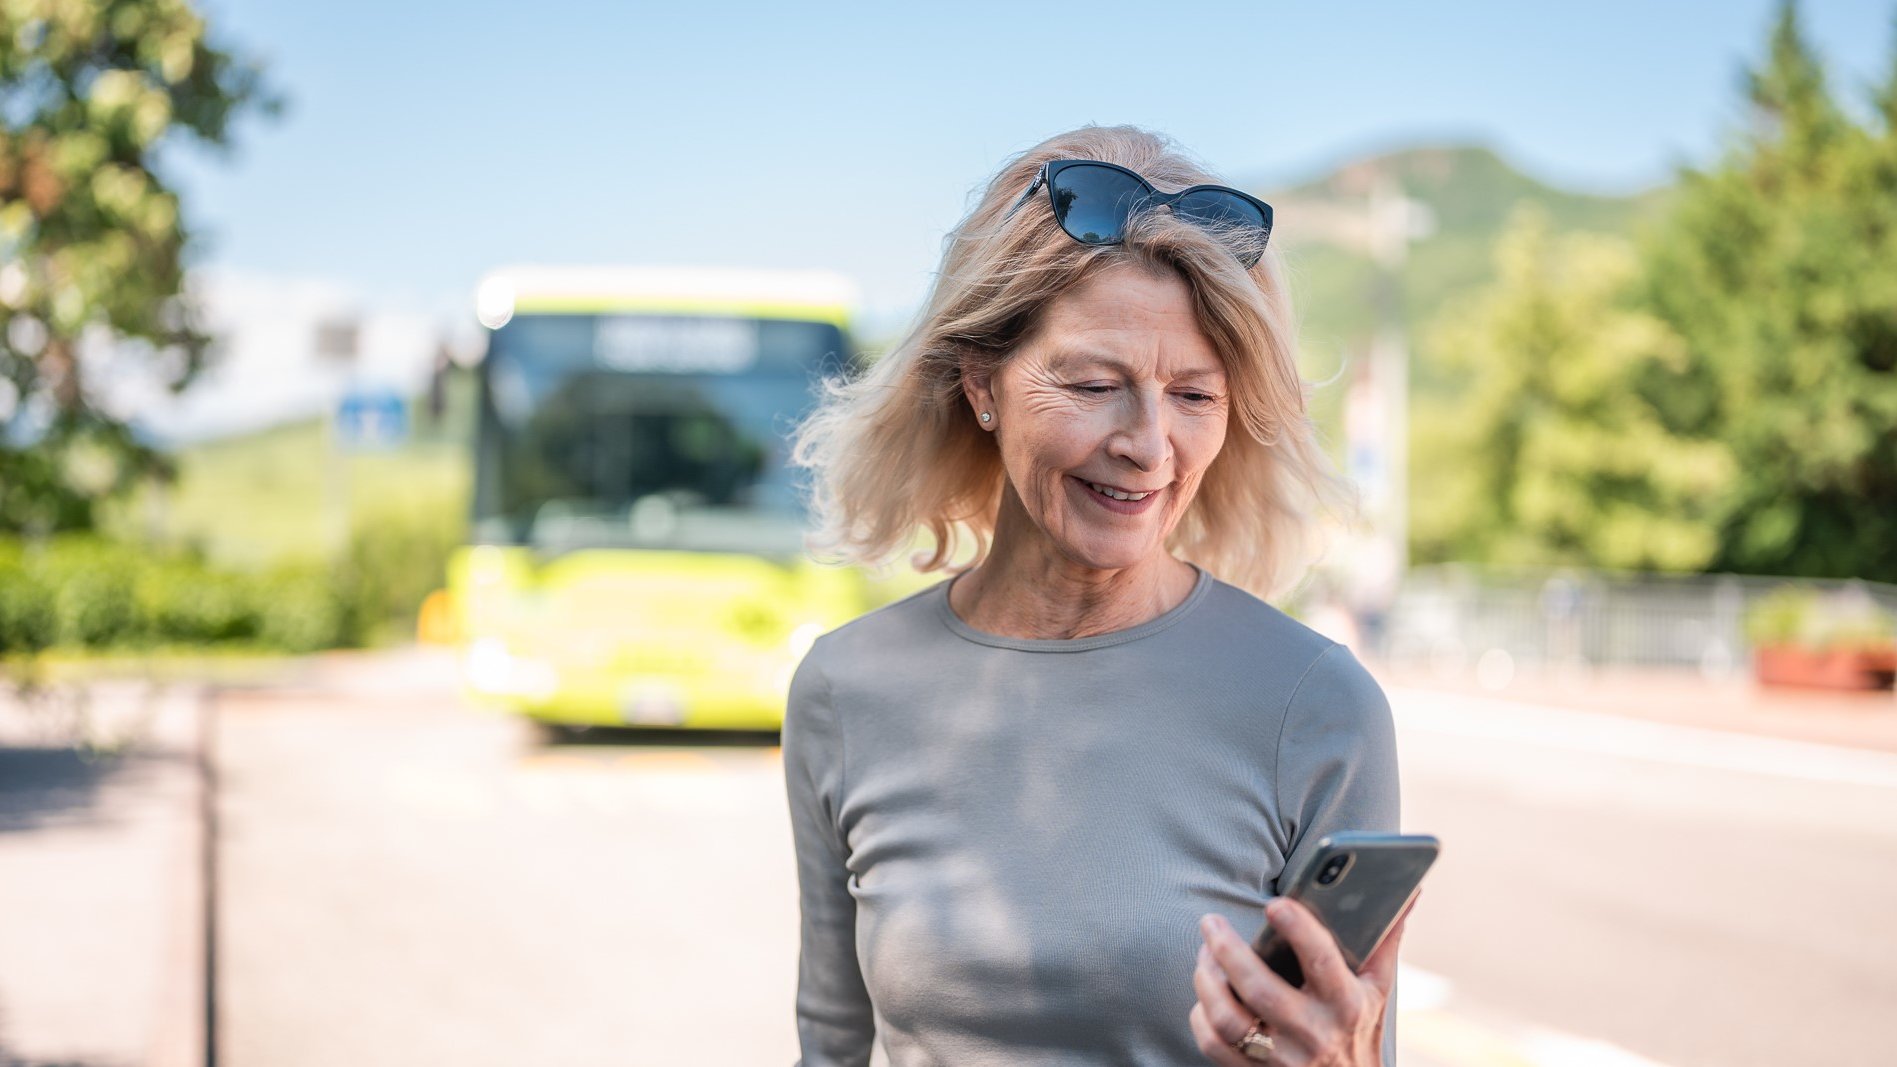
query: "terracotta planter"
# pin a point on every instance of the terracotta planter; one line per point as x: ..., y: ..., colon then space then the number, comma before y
x: 1811, y: 668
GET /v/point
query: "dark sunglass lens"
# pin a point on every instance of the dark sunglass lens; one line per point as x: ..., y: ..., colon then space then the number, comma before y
x: 1224, y: 210
x: 1210, y: 205
x: 1091, y: 203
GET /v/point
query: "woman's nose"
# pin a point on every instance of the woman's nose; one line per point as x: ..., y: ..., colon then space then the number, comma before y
x: 1141, y: 437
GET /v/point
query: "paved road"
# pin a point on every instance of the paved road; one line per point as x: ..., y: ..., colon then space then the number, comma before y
x: 405, y: 881
x: 1702, y: 900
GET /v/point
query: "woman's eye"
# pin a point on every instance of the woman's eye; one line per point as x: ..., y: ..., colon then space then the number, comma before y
x: 1199, y: 398
x: 1096, y: 390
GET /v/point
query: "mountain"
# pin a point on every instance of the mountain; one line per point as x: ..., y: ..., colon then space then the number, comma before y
x: 1468, y: 191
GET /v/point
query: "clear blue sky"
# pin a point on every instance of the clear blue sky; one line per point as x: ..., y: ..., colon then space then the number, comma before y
x: 426, y: 142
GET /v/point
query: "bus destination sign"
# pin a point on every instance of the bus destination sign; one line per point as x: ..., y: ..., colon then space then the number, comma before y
x: 671, y: 345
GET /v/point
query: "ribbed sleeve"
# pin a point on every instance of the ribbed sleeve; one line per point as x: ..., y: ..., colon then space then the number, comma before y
x: 1337, y: 768
x: 835, y: 1024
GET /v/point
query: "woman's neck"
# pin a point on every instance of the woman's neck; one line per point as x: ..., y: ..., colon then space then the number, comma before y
x: 1027, y: 590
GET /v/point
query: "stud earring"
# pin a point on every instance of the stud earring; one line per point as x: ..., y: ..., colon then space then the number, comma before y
x: 985, y: 417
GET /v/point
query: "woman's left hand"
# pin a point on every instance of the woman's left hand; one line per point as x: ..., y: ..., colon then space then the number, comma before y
x: 1336, y: 1020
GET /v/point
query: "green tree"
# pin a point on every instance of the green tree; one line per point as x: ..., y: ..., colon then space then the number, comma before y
x: 1554, y: 451
x: 93, y: 240
x: 1778, y: 269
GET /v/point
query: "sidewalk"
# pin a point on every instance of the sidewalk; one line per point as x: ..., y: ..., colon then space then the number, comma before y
x: 1683, y: 698
x: 102, y: 894
x: 101, y: 906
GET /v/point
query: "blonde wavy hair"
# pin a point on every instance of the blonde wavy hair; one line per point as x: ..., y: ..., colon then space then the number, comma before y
x: 897, y: 450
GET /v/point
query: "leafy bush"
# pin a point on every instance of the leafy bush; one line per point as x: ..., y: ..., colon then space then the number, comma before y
x: 93, y: 583
x: 87, y: 591
x: 395, y: 558
x: 301, y: 610
x: 28, y: 622
x: 1801, y: 615
x: 180, y: 600
x: 82, y: 591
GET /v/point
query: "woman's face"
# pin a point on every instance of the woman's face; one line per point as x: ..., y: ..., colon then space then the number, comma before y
x: 1117, y: 389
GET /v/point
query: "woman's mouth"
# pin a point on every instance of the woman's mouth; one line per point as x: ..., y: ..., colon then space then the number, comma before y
x: 1116, y: 499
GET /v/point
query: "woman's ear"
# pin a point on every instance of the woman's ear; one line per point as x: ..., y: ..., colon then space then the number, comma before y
x: 978, y: 388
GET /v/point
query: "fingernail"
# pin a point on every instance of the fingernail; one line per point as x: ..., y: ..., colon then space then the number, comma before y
x: 1275, y: 908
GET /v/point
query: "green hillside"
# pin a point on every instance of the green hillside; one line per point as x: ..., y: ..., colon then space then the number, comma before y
x: 286, y: 493
x: 1471, y: 192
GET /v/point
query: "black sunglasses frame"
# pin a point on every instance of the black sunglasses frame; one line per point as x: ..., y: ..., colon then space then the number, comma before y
x: 1050, y: 171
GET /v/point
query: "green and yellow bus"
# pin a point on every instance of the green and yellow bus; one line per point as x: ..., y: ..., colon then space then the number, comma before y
x: 636, y: 552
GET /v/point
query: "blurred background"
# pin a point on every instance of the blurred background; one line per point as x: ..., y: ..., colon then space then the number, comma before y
x: 400, y: 572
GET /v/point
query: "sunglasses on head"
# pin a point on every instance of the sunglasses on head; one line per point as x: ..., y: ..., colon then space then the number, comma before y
x: 1092, y: 201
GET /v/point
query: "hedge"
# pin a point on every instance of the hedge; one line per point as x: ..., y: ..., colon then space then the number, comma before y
x: 84, y: 591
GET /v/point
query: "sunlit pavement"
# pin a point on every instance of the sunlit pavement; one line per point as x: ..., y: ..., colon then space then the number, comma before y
x: 1610, y: 892
x: 101, y: 941
x: 403, y: 880
x: 409, y: 883
x: 1695, y: 897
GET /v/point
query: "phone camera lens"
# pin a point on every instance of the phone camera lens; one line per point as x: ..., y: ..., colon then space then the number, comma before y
x: 1332, y: 869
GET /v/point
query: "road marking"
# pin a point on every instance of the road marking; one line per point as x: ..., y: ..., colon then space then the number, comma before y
x: 1419, y: 990
x: 1428, y: 1028
x: 1448, y: 1041
x: 1500, y: 719
x: 1549, y: 1049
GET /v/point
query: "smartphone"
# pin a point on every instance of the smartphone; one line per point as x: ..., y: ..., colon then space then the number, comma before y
x: 1357, y: 883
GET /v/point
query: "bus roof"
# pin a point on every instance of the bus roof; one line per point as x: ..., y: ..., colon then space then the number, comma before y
x: 814, y: 295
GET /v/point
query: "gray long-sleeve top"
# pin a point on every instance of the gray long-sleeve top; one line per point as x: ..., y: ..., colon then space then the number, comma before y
x: 1004, y: 845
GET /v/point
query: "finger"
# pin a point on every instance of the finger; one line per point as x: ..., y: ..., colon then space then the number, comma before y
x: 1380, y: 969
x: 1229, y: 1019
x: 1207, y: 1038
x: 1326, y: 975
x: 1259, y: 988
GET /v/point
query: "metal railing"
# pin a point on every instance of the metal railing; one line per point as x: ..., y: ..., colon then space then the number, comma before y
x: 1452, y: 616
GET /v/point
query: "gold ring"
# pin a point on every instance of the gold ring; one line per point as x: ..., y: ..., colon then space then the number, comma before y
x: 1256, y: 1044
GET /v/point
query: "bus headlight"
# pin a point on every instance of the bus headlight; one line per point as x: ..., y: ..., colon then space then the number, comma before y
x: 494, y: 670
x: 803, y: 637
x: 494, y: 302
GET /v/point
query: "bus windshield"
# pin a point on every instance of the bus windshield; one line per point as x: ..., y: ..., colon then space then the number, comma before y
x: 646, y: 431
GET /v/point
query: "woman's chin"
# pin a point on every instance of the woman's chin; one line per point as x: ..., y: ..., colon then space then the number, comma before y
x: 1110, y: 555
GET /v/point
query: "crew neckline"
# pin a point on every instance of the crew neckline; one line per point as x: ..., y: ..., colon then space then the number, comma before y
x: 1072, y: 644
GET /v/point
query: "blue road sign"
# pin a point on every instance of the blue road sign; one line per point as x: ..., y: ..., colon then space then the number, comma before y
x: 371, y: 419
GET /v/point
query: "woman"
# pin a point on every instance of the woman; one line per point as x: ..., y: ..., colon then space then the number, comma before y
x: 1039, y: 808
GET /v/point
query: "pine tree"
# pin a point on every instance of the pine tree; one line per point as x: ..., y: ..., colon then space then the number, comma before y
x: 1557, y: 452
x: 1778, y: 269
